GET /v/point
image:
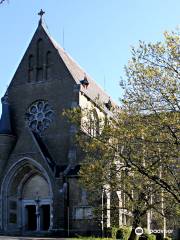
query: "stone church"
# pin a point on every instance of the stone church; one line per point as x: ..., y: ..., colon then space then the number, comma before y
x: 39, y: 191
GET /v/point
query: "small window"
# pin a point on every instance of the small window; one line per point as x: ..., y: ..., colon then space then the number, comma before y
x: 108, y: 105
x: 39, y: 53
x: 48, y: 65
x: 13, y: 205
x: 31, y: 68
x: 83, y: 213
x: 13, y: 218
x: 39, y: 75
x: 85, y: 82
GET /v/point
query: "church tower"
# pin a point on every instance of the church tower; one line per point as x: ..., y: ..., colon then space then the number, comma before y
x: 38, y: 161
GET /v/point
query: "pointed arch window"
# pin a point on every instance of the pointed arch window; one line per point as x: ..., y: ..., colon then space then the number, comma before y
x: 30, y: 68
x: 48, y: 64
x: 39, y: 60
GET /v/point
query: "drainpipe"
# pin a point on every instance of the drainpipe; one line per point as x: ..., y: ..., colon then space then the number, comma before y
x: 65, y: 191
x: 102, y: 213
x: 68, y: 219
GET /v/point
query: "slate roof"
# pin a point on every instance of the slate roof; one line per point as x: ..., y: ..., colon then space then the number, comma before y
x: 44, y: 150
x: 93, y: 91
x: 68, y: 170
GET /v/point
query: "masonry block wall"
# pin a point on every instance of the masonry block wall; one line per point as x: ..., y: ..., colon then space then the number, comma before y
x: 37, y: 152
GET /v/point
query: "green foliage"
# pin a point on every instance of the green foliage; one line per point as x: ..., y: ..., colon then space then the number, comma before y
x: 121, y: 233
x: 136, y: 150
x: 145, y: 231
x: 108, y: 232
x: 146, y: 236
x: 159, y: 236
x: 114, y: 231
x: 151, y: 237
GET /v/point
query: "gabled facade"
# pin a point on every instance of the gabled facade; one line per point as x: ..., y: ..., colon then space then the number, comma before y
x: 38, y: 160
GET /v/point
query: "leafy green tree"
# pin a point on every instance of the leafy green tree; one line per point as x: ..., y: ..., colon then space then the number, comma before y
x: 137, y: 148
x: 152, y: 98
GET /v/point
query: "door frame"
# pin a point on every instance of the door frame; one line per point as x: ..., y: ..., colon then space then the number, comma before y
x: 7, y: 181
x: 37, y: 203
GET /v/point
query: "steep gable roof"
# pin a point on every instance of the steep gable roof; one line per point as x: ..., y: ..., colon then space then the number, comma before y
x: 93, y: 91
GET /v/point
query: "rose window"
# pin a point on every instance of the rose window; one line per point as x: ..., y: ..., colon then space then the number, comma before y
x: 39, y: 116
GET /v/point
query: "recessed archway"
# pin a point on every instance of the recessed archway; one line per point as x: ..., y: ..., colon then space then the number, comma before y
x: 27, y: 195
x: 36, y: 202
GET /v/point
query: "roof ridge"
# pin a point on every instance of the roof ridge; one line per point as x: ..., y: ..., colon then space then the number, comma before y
x: 94, y: 90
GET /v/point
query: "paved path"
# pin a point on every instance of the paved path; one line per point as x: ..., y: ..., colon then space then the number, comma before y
x: 29, y: 238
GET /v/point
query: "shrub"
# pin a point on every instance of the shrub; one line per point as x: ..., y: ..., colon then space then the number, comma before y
x: 146, y: 231
x: 151, y: 237
x: 108, y: 232
x: 121, y: 233
x: 147, y: 236
x: 143, y: 237
x: 113, y: 232
x: 159, y: 236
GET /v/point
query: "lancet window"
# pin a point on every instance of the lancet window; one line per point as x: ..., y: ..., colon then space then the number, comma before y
x: 48, y: 64
x: 31, y: 68
x: 39, y: 76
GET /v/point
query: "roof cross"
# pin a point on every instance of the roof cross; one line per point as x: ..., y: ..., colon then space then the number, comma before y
x: 41, y: 13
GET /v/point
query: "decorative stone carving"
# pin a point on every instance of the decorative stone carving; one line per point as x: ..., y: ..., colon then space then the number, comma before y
x: 39, y: 116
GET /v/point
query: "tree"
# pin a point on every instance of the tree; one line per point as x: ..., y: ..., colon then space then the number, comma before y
x: 142, y: 139
x: 152, y: 97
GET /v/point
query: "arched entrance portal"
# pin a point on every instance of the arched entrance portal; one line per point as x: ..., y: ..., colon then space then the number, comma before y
x: 27, y: 198
x: 36, y: 202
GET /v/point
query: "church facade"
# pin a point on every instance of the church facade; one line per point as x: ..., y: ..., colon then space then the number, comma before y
x: 39, y: 163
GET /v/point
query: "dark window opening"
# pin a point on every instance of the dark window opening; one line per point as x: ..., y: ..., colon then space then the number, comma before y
x: 30, y: 75
x: 39, y: 53
x: 31, y: 68
x: 45, y: 217
x: 85, y: 82
x: 108, y: 105
x: 39, y: 74
x: 13, y: 205
x: 13, y: 218
x: 31, y: 218
x: 48, y: 65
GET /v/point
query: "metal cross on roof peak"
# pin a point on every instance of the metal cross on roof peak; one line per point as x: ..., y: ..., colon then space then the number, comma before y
x: 41, y: 13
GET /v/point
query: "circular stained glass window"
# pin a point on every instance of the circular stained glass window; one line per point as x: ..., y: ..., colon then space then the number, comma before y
x: 39, y: 116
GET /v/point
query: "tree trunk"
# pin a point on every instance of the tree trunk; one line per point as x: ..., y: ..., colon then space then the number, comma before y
x: 135, y: 224
x: 133, y: 235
